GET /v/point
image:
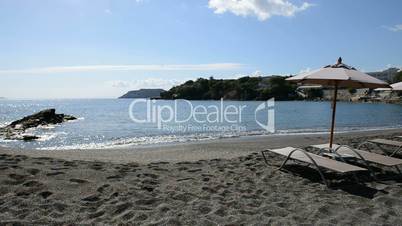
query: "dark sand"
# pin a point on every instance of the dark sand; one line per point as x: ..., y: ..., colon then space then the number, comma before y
x: 222, y: 182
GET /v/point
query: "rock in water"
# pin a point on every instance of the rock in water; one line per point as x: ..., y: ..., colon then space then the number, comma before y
x: 29, y: 137
x: 42, y: 118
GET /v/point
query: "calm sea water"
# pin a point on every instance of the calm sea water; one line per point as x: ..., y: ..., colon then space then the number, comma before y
x: 106, y: 123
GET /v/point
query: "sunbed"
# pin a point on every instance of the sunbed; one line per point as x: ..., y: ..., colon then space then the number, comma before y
x: 393, y: 143
x: 367, y: 157
x: 319, y: 162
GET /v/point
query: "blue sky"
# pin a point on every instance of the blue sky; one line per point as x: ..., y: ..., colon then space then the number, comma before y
x: 86, y: 49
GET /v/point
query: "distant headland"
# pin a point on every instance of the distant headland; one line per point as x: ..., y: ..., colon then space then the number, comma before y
x: 144, y: 93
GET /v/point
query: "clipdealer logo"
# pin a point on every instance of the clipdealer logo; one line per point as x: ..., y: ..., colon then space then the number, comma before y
x: 187, y: 112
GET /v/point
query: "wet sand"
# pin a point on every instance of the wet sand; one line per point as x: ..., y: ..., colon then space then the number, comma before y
x: 221, y: 182
x: 193, y: 151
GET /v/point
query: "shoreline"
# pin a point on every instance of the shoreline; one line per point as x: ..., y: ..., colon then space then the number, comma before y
x: 194, y: 150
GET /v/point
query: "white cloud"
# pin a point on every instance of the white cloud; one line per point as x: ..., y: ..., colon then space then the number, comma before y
x: 388, y: 66
x: 146, y: 83
x: 256, y: 74
x: 395, y: 28
x: 305, y: 70
x: 118, y: 84
x: 262, y: 9
x: 251, y: 74
x: 133, y: 67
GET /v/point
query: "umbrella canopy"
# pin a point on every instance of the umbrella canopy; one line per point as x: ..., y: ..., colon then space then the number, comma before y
x: 338, y: 75
x: 341, y: 75
x: 397, y: 86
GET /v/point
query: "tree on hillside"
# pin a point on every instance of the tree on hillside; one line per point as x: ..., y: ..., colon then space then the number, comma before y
x: 398, y: 77
x: 245, y: 88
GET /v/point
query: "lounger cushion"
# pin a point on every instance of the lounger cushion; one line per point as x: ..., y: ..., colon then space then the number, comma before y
x: 368, y: 156
x: 321, y: 161
x: 387, y: 142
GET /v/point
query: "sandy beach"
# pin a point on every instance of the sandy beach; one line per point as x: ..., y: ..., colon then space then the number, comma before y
x: 219, y: 182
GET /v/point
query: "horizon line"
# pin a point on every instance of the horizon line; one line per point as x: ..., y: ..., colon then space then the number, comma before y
x: 127, y: 67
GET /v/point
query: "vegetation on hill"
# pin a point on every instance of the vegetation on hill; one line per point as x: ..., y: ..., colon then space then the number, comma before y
x: 245, y: 88
x: 398, y: 77
x: 257, y: 88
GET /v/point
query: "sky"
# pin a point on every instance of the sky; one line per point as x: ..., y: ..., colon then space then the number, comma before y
x: 104, y: 48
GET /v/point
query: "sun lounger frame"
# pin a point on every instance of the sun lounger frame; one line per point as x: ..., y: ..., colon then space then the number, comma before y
x: 359, y: 156
x: 398, y: 148
x: 289, y: 157
x: 367, y: 163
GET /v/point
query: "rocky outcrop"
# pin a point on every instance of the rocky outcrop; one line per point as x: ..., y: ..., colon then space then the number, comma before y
x: 16, y: 129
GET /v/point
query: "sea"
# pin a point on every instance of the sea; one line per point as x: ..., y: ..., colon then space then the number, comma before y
x: 122, y: 123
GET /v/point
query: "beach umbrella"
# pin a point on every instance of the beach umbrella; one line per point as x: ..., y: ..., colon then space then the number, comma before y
x: 397, y: 86
x: 338, y: 76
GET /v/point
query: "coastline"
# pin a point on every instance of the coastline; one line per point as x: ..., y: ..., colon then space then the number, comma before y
x: 225, y: 148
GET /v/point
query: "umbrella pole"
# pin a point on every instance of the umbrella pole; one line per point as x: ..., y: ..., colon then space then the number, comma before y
x: 331, y: 138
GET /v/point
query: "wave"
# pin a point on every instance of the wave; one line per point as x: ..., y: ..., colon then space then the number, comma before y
x: 168, y: 139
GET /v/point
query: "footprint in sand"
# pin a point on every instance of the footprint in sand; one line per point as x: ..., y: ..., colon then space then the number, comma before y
x: 184, y: 197
x: 18, y: 177
x: 153, y: 176
x: 32, y: 183
x: 96, y: 167
x: 15, y: 179
x: 141, y: 217
x: 147, y: 188
x: 91, y: 198
x: 194, y: 170
x: 149, y: 185
x: 204, y: 209
x: 163, y: 208
x: 114, y: 195
x: 23, y: 193
x: 184, y: 179
x: 205, y: 179
x: 96, y: 214
x: 145, y: 202
x: 114, y: 177
x: 71, y: 164
x: 208, y: 189
x: 78, y: 181
x: 54, y: 173
x: 104, y: 188
x: 156, y: 168
x: 120, y: 208
x: 33, y: 171
x: 60, y: 207
x: 59, y: 168
x: 220, y: 212
x: 45, y: 194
